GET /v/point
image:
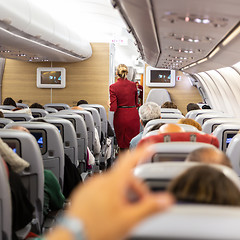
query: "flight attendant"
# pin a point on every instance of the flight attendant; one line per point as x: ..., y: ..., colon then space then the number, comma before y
x: 124, y: 103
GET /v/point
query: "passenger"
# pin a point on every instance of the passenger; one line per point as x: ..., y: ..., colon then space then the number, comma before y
x: 169, y: 105
x: 192, y: 106
x: 36, y: 105
x: 205, y: 184
x: 170, y: 128
x: 124, y: 103
x: 53, y: 197
x: 206, y: 107
x: 9, y: 101
x: 20, y: 101
x: 209, y: 155
x: 147, y: 112
x: 101, y: 212
x: 191, y: 122
x: 82, y: 102
x: 140, y: 93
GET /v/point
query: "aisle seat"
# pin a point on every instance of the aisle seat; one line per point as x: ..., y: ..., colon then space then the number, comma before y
x: 51, y: 110
x: 16, y: 117
x: 58, y: 106
x: 38, y: 112
x: 201, y: 119
x: 4, y: 122
x: 171, y: 116
x: 158, y: 96
x: 194, y: 113
x: 170, y: 110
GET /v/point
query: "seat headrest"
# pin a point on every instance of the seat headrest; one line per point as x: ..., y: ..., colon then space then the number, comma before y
x: 181, y: 137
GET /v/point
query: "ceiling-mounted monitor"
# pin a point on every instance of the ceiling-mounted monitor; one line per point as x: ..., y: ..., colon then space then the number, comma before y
x: 51, y: 77
x: 157, y: 77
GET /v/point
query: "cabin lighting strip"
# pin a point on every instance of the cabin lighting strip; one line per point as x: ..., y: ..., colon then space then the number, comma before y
x: 231, y: 36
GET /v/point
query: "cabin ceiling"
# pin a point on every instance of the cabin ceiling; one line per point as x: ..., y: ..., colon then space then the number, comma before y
x: 176, y: 33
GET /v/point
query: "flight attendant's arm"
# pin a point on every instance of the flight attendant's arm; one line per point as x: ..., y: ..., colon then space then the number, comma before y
x: 113, y: 99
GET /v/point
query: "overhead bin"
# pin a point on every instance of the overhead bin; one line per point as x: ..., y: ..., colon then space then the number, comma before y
x: 24, y: 23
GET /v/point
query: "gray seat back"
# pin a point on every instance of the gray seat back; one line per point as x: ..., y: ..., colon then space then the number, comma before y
x: 16, y: 117
x: 51, y: 146
x: 5, y: 204
x: 26, y: 147
x: 38, y: 112
x: 51, y: 110
x: 103, y: 117
x: 4, y: 122
x: 87, y: 116
x: 22, y: 105
x: 208, y: 222
x: 224, y: 133
x: 58, y: 106
x: 194, y: 113
x: 170, y: 110
x: 210, y: 125
x: 201, y: 119
x: 158, y: 96
x: 69, y: 137
x: 81, y: 131
x: 171, y: 116
x: 96, y: 119
x: 7, y: 107
x: 174, y: 151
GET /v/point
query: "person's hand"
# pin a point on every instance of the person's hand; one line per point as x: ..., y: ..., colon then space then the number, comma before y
x: 104, y: 203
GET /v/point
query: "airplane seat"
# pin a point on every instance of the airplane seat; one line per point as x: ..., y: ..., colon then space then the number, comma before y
x: 210, y: 125
x: 171, y: 116
x: 224, y: 133
x: 181, y: 137
x: 69, y: 137
x: 16, y: 117
x: 158, y: 96
x: 201, y: 119
x: 208, y: 222
x: 58, y: 106
x: 81, y: 134
x: 194, y: 113
x: 151, y: 123
x: 38, y: 112
x: 87, y: 116
x: 7, y: 107
x: 5, y: 204
x: 4, y: 122
x: 233, y: 152
x: 22, y: 105
x: 51, y: 146
x: 51, y: 110
x: 170, y: 110
x: 25, y: 145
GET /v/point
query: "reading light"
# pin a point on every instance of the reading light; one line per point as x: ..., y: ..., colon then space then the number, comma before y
x: 197, y: 20
x: 187, y: 19
x: 206, y: 21
x: 215, y: 51
x: 202, y: 60
x: 231, y: 36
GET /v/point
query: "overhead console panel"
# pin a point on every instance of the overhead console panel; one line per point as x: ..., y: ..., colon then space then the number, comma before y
x: 175, y: 34
x: 29, y: 34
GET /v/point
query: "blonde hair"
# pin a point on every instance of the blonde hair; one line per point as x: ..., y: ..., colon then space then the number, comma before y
x: 190, y: 121
x: 122, y: 71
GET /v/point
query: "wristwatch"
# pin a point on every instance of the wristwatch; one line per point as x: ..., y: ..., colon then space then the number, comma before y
x: 73, y: 225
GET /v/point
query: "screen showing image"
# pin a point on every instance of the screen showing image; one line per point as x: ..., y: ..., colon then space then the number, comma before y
x: 160, y: 76
x: 51, y: 77
x: 14, y: 144
x: 229, y: 138
x: 39, y: 138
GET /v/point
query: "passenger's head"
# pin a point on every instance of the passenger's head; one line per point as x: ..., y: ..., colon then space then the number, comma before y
x: 190, y: 121
x: 77, y: 108
x: 122, y: 71
x: 206, y: 107
x: 36, y: 105
x: 1, y: 114
x: 82, y: 102
x: 20, y: 101
x: 169, y: 105
x: 205, y: 184
x: 209, y: 155
x: 20, y: 128
x: 9, y: 101
x: 192, y: 106
x: 149, y: 111
x: 170, y: 128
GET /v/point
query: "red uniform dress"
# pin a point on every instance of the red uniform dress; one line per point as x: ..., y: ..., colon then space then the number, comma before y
x: 123, y: 94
